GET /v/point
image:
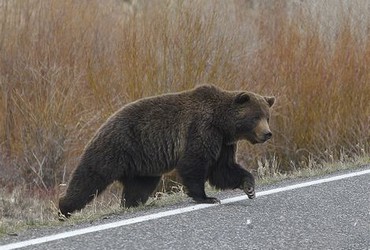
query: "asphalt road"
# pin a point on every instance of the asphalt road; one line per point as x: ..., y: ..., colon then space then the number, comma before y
x: 329, y: 214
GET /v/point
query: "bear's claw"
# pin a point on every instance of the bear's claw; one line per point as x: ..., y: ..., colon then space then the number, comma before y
x: 251, y: 193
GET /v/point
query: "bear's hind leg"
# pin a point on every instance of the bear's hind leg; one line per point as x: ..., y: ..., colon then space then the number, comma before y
x: 83, y: 187
x: 137, y: 190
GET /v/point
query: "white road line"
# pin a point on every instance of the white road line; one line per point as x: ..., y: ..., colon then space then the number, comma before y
x: 172, y: 212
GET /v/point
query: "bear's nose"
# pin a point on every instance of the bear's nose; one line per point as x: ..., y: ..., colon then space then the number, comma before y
x: 268, y: 136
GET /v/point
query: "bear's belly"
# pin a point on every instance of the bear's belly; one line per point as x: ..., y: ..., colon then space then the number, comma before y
x: 160, y: 156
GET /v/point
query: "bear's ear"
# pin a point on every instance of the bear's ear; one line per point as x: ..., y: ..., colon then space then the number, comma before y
x: 270, y: 100
x: 242, y: 98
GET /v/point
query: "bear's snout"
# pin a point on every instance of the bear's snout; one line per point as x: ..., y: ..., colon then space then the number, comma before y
x: 262, y: 131
x: 267, y: 136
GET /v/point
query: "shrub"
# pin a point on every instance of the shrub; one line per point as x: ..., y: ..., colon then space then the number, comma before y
x: 65, y: 66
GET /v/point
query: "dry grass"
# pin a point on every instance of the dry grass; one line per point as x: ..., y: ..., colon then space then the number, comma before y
x: 65, y: 66
x: 20, y: 212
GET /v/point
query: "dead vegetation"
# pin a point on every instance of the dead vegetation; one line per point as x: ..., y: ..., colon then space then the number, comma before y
x: 65, y: 66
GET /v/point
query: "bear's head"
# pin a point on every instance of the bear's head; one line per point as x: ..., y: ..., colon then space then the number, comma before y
x: 251, y: 114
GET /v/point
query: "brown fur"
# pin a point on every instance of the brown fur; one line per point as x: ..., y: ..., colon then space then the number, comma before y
x: 194, y: 131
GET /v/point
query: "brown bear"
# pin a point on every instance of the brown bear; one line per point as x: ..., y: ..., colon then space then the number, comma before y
x: 194, y: 131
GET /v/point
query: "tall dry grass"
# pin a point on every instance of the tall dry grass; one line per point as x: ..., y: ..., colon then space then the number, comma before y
x: 322, y: 78
x: 65, y: 66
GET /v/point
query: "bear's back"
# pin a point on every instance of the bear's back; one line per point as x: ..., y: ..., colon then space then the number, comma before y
x: 151, y: 134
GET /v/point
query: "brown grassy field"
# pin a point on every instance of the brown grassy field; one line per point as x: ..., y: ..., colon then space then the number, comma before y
x: 65, y: 66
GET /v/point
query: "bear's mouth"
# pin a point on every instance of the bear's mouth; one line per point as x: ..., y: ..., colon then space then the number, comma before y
x: 251, y: 139
x: 256, y: 140
x: 261, y: 139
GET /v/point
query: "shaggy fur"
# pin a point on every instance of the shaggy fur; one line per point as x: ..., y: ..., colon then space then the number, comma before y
x: 194, y: 131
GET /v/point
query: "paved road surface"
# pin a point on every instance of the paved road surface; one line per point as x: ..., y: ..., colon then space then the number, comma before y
x: 323, y: 214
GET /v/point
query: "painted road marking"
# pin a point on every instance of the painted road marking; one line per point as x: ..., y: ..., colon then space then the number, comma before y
x: 173, y: 212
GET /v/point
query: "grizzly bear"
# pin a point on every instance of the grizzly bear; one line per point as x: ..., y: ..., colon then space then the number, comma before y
x: 195, y: 132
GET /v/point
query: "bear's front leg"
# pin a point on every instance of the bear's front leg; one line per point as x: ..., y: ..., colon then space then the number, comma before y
x: 193, y: 174
x: 248, y: 185
x: 227, y: 174
x: 196, y: 191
